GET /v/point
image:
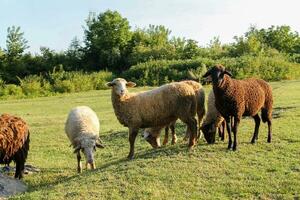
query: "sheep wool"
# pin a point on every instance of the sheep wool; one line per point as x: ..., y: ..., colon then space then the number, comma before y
x: 82, y: 128
x: 237, y: 98
x: 153, y: 108
x: 14, y: 142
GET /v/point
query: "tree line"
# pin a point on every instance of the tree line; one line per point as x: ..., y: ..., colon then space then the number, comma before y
x: 111, y: 44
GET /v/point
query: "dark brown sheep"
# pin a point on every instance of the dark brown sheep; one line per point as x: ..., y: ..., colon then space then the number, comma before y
x: 239, y: 98
x: 14, y: 142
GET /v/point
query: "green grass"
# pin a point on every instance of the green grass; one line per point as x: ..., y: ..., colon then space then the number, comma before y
x: 260, y: 171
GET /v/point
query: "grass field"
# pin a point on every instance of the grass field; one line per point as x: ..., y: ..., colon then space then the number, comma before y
x: 260, y: 171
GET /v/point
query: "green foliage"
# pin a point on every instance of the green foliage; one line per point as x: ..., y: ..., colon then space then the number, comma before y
x: 267, y: 68
x: 58, y: 81
x: 16, y: 44
x: 158, y: 72
x: 106, y: 38
x: 11, y: 90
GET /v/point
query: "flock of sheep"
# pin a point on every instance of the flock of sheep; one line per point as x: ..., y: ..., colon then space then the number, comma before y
x: 154, y: 110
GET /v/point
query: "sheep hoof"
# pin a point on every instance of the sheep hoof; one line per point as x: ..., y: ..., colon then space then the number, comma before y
x: 130, y: 157
x: 165, y: 142
x: 253, y: 141
x: 234, y: 148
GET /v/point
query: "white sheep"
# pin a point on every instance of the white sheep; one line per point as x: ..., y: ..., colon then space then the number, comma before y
x: 82, y: 128
x: 157, y: 107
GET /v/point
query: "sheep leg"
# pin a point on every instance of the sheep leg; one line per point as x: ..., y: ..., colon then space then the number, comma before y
x: 132, y: 135
x: 187, y: 134
x: 79, y: 165
x: 257, y: 123
x: 166, y: 138
x: 235, y: 127
x: 200, y: 115
x: 228, y: 126
x: 269, y: 131
x: 174, y: 137
x: 192, y: 126
x: 19, y: 169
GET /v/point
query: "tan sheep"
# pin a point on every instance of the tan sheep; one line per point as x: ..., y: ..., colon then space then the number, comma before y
x: 213, y: 120
x: 140, y: 110
x: 155, y: 131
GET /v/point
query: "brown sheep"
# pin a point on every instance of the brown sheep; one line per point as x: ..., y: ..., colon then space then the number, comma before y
x: 140, y: 110
x: 14, y: 142
x: 239, y: 98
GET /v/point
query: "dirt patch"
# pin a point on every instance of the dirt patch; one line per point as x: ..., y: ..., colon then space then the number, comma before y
x: 10, y: 186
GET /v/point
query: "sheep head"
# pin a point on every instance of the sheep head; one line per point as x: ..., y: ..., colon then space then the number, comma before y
x: 154, y: 141
x: 209, y: 132
x: 216, y: 74
x: 119, y: 86
x: 88, y: 146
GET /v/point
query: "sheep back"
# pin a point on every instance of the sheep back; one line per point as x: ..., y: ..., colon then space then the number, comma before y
x: 14, y: 138
x: 241, y: 97
x: 82, y: 121
x: 156, y: 107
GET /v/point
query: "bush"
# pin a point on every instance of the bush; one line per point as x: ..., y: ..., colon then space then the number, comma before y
x: 161, y: 71
x: 11, y: 90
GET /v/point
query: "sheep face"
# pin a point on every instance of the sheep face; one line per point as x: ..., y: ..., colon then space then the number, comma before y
x: 119, y: 86
x: 216, y: 74
x: 209, y: 131
x: 87, y: 146
x: 152, y: 140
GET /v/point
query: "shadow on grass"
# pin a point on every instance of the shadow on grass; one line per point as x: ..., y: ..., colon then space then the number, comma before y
x: 277, y: 111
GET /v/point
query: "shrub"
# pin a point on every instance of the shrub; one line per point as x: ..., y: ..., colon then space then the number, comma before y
x: 270, y: 68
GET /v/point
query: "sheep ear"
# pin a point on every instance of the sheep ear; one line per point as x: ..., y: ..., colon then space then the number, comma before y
x: 77, y: 149
x: 130, y: 84
x: 110, y: 84
x: 228, y: 73
x: 208, y: 73
x: 99, y: 143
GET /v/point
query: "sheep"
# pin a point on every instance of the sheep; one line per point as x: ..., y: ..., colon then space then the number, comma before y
x: 237, y: 98
x: 213, y: 120
x: 155, y: 131
x: 82, y: 128
x: 153, y: 108
x: 14, y: 142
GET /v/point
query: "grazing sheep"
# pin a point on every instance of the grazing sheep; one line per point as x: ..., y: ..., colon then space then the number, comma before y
x: 82, y: 128
x: 153, y: 108
x: 155, y: 131
x: 213, y: 120
x: 14, y: 142
x: 239, y: 98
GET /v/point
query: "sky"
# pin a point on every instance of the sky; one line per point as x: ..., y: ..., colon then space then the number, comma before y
x: 55, y: 23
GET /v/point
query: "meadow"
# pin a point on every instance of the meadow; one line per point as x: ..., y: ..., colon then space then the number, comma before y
x: 259, y: 171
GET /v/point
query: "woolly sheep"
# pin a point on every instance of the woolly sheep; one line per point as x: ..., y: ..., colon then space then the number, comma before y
x: 139, y: 110
x: 14, y: 142
x: 239, y: 98
x: 213, y: 120
x: 152, y: 134
x: 82, y: 128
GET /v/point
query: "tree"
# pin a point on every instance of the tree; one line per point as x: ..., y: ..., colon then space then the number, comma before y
x: 16, y: 44
x: 106, y: 38
x: 150, y: 44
